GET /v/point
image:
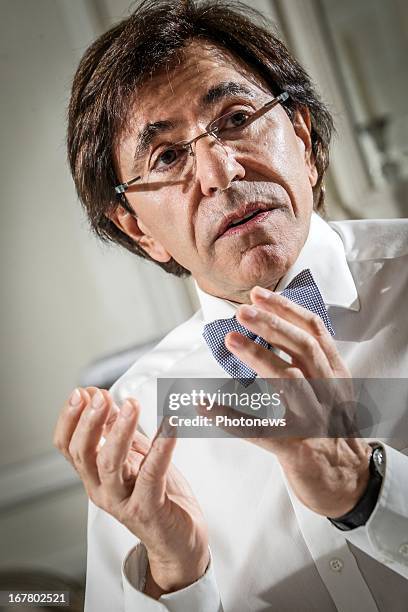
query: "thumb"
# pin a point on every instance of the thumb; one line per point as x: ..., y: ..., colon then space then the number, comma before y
x: 155, y: 465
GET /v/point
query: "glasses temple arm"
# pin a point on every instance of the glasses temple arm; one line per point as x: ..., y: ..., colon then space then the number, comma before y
x: 119, y: 189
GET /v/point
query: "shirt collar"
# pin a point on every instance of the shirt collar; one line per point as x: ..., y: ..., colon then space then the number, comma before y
x: 323, y: 253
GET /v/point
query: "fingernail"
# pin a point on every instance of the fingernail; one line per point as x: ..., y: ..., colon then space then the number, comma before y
x: 98, y: 400
x: 249, y: 312
x: 262, y: 292
x: 127, y: 410
x: 75, y: 398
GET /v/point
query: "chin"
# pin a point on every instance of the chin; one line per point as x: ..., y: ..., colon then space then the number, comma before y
x: 265, y: 264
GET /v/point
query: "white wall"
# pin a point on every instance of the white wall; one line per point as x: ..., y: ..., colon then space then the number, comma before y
x: 65, y: 299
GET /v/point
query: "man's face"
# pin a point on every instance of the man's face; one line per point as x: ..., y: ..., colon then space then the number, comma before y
x: 273, y: 171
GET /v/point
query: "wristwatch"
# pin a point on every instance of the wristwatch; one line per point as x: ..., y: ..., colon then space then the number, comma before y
x: 361, y: 512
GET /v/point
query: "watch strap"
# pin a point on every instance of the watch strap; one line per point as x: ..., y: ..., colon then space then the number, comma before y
x: 362, y: 511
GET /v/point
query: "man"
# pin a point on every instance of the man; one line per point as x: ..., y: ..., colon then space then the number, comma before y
x: 213, y: 140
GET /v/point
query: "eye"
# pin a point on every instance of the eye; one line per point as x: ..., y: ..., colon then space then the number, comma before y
x: 236, y: 120
x: 167, y: 158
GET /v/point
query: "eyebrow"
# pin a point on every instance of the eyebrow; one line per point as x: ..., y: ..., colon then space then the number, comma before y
x: 225, y: 90
x: 213, y: 95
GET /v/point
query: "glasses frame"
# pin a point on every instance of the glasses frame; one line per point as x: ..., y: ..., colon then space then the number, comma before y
x: 121, y: 189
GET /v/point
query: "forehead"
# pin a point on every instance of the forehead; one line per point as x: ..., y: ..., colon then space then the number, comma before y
x: 179, y: 88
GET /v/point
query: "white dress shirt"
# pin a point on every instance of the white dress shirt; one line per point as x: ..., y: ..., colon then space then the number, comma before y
x: 268, y: 551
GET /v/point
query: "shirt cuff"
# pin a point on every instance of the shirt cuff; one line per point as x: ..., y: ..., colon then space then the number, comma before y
x: 385, y: 535
x: 201, y: 596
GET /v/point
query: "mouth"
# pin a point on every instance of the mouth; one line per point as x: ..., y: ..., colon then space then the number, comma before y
x: 244, y: 220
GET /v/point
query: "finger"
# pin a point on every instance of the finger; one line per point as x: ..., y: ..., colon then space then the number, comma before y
x: 151, y: 481
x: 68, y: 420
x: 114, y: 410
x: 86, y: 437
x: 302, y: 407
x: 304, y: 413
x: 267, y: 434
x: 263, y: 361
x: 139, y: 448
x: 114, y: 453
x: 112, y: 416
x: 303, y: 417
x: 141, y: 443
x: 308, y: 402
x: 301, y: 317
x: 131, y: 470
x: 300, y: 345
x: 233, y: 422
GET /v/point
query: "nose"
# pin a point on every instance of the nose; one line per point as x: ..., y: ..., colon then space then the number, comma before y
x: 216, y: 166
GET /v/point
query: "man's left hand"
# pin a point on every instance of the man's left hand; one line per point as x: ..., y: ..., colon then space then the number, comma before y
x: 329, y: 475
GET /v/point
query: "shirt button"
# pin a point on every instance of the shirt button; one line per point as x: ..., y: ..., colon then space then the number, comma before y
x: 403, y: 549
x: 336, y: 565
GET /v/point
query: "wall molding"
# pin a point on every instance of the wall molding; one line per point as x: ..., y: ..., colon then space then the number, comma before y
x: 301, y: 21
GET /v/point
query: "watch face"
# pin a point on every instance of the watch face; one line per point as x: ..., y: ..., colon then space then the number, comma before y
x: 379, y: 460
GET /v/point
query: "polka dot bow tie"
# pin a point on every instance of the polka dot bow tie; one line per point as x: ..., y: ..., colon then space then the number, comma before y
x: 302, y: 290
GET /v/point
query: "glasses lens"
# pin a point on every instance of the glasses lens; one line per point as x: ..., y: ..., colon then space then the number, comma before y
x: 232, y: 126
x: 170, y: 163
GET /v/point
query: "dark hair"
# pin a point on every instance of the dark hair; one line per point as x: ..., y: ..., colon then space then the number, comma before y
x: 119, y: 61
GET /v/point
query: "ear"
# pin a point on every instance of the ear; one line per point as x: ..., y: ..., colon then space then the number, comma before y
x: 135, y: 228
x: 303, y: 127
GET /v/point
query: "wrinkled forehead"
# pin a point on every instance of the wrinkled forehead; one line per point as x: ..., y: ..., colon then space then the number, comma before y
x: 181, y: 87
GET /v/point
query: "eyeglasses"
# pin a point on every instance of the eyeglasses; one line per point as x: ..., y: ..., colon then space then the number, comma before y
x: 173, y: 162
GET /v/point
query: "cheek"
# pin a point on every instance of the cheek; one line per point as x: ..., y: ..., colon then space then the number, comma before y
x: 282, y: 159
x: 283, y: 152
x: 169, y: 223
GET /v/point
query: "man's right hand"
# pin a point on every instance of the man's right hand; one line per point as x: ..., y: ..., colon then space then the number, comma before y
x: 133, y: 479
